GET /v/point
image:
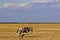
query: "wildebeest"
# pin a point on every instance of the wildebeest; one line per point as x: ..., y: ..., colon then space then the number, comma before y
x: 24, y: 30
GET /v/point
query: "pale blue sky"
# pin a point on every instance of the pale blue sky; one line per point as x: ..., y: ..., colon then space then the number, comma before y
x: 29, y: 11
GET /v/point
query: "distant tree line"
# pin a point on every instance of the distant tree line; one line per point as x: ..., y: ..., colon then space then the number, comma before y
x: 29, y: 23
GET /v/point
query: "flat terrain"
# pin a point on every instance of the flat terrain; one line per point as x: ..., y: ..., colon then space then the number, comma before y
x: 41, y: 32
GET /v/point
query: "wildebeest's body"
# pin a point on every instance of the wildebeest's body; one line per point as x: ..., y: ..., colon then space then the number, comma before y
x: 25, y: 30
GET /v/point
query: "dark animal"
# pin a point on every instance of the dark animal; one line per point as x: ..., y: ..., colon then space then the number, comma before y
x: 24, y: 30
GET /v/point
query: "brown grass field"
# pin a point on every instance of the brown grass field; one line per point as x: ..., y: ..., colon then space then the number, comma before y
x: 41, y: 32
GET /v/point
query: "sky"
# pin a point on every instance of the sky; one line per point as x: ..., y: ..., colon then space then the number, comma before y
x: 29, y: 10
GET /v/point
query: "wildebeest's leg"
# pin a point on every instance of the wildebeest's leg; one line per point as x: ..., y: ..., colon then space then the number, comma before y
x: 17, y: 30
x: 20, y: 32
x: 23, y: 35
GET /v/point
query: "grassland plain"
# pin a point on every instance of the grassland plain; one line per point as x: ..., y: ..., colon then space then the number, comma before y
x: 41, y: 32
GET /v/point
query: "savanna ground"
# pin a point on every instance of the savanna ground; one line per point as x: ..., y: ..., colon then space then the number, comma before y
x: 41, y: 32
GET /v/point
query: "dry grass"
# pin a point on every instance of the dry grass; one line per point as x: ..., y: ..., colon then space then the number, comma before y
x: 8, y: 32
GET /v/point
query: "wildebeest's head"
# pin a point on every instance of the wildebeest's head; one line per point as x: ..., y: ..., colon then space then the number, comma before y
x: 30, y: 29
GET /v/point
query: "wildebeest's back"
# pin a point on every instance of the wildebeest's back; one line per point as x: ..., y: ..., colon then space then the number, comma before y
x: 25, y: 29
